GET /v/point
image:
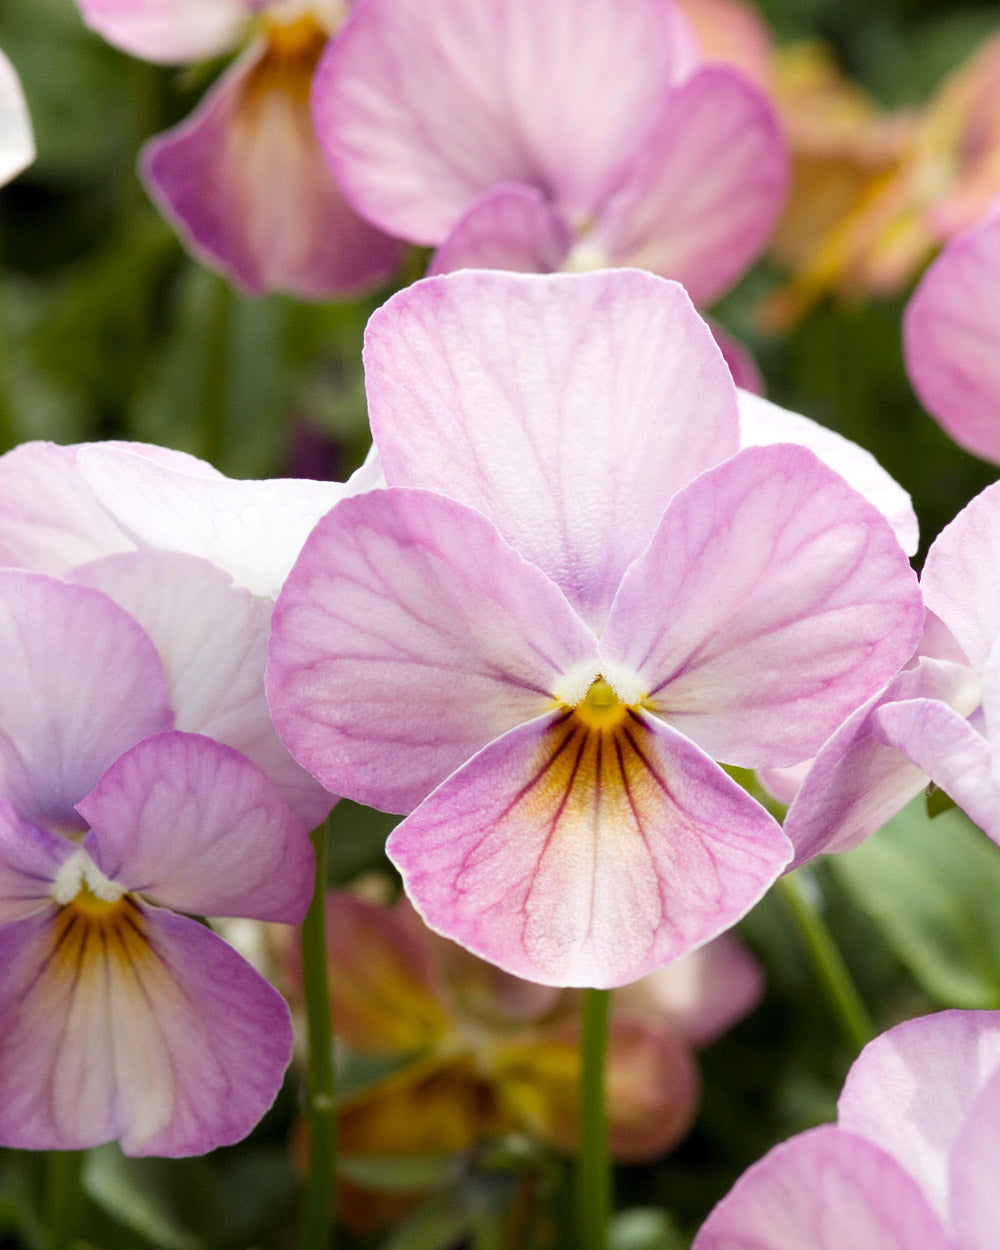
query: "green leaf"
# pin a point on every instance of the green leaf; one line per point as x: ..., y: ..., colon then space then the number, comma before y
x: 137, y: 1192
x: 931, y: 886
x: 644, y: 1228
x: 397, y: 1175
x: 436, y: 1226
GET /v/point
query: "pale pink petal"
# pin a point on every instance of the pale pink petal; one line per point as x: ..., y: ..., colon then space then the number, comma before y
x: 212, y: 637
x: 952, y: 339
x: 567, y: 408
x: 512, y: 227
x: 700, y: 995
x: 858, y: 781
x: 911, y: 1090
x: 762, y: 422
x: 138, y: 1025
x: 199, y: 828
x: 576, y: 857
x: 742, y: 365
x: 961, y: 576
x: 407, y: 637
x: 169, y: 31
x: 245, y: 185
x: 17, y: 143
x: 975, y: 1195
x: 823, y: 1190
x: 423, y: 107
x: 251, y: 530
x: 81, y: 682
x: 29, y: 861
x: 699, y: 199
x: 771, y: 602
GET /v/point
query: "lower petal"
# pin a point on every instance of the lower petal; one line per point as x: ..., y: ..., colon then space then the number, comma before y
x: 577, y: 857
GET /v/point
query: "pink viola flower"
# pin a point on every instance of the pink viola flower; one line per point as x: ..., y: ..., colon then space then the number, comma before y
x: 577, y: 595
x: 952, y: 339
x: 575, y: 135
x: 121, y: 1017
x: 17, y: 144
x: 242, y: 180
x: 909, y: 1165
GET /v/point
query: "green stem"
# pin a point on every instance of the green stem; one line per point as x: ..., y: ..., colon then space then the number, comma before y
x: 62, y: 1197
x: 828, y: 964
x: 593, y: 1176
x: 318, y: 1214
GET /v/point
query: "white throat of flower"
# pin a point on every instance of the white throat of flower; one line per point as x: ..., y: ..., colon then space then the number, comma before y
x: 79, y: 872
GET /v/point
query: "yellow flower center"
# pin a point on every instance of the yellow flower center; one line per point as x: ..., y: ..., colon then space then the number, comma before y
x: 601, y: 708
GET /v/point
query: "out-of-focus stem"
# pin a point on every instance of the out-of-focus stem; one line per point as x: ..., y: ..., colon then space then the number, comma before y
x: 593, y: 1176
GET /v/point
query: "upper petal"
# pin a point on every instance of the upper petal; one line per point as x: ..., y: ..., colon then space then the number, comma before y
x: 199, y: 828
x: 512, y: 227
x: 823, y: 1190
x: 169, y: 31
x: 577, y: 857
x: 407, y: 636
x: 912, y: 1089
x: 422, y: 107
x: 135, y: 1024
x: 952, y: 339
x: 17, y: 143
x: 244, y: 183
x: 567, y: 408
x: 762, y: 422
x: 772, y: 600
x: 80, y: 683
x: 700, y: 198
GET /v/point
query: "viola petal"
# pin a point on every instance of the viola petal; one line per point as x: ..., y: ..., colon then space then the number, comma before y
x: 171, y: 32
x: 975, y: 1199
x: 17, y: 143
x: 576, y: 857
x: 30, y: 858
x: 511, y: 227
x: 408, y: 636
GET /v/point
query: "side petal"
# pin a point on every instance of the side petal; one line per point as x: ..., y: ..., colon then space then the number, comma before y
x: 17, y: 143
x: 513, y: 228
x: 567, y: 408
x: 171, y: 32
x: 572, y: 857
x: 234, y: 849
x: 30, y: 858
x: 422, y: 108
x: 790, y: 602
x: 81, y: 682
x: 975, y: 1198
x: 699, y: 199
x: 252, y: 530
x: 245, y: 185
x: 952, y: 339
x: 823, y: 1190
x: 407, y: 637
x: 212, y: 637
x: 911, y: 1090
x: 762, y: 423
x: 142, y: 1026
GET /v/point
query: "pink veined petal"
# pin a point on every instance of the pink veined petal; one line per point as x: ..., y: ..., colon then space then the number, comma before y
x: 567, y: 408
x: 742, y: 365
x: 823, y: 1190
x: 911, y: 1090
x: 17, y: 143
x: 212, y: 637
x: 975, y: 1196
x: 81, y: 682
x: 245, y: 185
x: 699, y: 199
x: 234, y: 848
x: 407, y: 637
x: 171, y: 32
x: 571, y: 856
x: 952, y: 339
x: 788, y: 602
x: 251, y: 530
x: 135, y: 1024
x: 858, y: 781
x: 511, y: 227
x: 423, y: 107
x: 29, y: 860
x: 762, y: 423
x: 961, y: 576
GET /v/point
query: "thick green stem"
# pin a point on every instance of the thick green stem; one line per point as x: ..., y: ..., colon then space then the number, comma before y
x: 593, y: 1176
x: 842, y: 993
x: 62, y: 1197
x: 318, y: 1214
